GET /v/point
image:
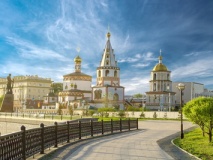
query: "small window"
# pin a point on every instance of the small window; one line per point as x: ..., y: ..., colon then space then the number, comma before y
x: 115, y: 74
x: 106, y: 73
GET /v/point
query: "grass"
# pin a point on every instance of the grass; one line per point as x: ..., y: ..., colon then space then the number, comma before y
x: 196, y: 144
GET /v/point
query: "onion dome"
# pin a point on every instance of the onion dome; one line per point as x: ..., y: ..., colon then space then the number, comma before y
x: 108, y: 35
x: 77, y: 59
x: 160, y: 66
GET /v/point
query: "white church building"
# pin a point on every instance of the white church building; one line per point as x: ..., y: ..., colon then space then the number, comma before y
x: 108, y: 92
x: 160, y: 96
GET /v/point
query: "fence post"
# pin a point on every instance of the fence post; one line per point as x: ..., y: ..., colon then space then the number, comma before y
x: 137, y: 123
x: 91, y: 124
x: 56, y: 134
x: 23, y: 129
x: 102, y: 126
x: 61, y: 116
x: 111, y: 126
x: 120, y: 125
x: 42, y: 138
x: 129, y: 124
x: 68, y: 131
x: 79, y: 127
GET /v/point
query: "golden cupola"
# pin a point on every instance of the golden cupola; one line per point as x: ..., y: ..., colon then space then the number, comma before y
x: 77, y: 59
x: 160, y: 66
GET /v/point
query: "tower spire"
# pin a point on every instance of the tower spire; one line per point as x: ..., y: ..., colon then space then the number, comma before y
x: 77, y: 61
x: 108, y: 33
x: 160, y: 57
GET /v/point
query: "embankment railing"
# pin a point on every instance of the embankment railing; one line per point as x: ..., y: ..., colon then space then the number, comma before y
x: 27, y: 143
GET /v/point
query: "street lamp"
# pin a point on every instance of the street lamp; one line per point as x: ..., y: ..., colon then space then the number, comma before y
x: 181, y: 87
x: 168, y: 89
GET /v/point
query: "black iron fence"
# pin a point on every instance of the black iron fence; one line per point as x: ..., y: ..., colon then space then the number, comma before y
x: 27, y: 143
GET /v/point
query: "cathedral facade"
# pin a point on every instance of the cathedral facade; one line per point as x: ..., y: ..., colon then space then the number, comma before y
x: 160, y: 96
x: 77, y: 87
x: 108, y: 92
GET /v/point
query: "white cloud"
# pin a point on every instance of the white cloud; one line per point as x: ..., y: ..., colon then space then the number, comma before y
x: 199, y: 68
x: 141, y: 65
x: 135, y: 85
x: 30, y: 51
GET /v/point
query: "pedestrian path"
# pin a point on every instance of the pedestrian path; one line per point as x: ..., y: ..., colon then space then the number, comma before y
x: 135, y: 145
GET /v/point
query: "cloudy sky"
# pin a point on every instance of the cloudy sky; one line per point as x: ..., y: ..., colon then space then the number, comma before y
x: 40, y: 37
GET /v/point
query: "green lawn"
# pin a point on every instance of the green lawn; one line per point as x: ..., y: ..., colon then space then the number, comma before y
x: 196, y: 144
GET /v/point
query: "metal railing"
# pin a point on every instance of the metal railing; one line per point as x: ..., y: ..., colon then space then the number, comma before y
x: 27, y: 143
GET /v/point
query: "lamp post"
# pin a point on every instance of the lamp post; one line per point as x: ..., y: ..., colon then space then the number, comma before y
x: 169, y: 106
x: 181, y: 87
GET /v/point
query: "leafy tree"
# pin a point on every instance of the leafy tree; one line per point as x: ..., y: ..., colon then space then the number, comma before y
x: 103, y: 111
x: 59, y: 111
x: 138, y: 95
x: 121, y: 114
x: 57, y: 87
x: 131, y: 108
x: 200, y: 111
x: 70, y: 109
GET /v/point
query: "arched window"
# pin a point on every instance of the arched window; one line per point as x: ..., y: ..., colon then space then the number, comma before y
x: 107, y: 62
x: 115, y: 97
x: 115, y: 73
x: 167, y: 76
x: 154, y: 77
x: 99, y: 73
x: 154, y: 88
x: 106, y: 73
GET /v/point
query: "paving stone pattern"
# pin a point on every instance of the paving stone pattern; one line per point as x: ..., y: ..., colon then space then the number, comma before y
x: 135, y: 145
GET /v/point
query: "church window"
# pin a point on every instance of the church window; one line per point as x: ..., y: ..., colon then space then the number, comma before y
x: 154, y: 78
x: 107, y: 56
x: 115, y: 97
x: 106, y: 73
x: 115, y: 74
x: 107, y: 62
x: 167, y: 76
x: 99, y: 73
x: 154, y: 88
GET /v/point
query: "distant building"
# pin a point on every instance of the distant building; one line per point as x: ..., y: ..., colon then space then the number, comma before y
x: 192, y: 90
x: 27, y: 90
x: 108, y: 92
x: 50, y: 101
x: 161, y: 96
x: 135, y: 102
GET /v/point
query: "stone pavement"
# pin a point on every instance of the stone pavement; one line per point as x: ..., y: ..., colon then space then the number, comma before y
x: 142, y: 144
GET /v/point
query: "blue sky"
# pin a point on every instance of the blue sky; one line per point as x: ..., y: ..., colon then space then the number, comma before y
x: 41, y: 37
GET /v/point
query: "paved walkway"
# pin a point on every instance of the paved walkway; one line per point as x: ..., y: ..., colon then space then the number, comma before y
x: 142, y: 144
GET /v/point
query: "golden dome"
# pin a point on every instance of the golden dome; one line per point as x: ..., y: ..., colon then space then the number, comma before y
x: 77, y: 59
x: 160, y: 67
x: 108, y: 35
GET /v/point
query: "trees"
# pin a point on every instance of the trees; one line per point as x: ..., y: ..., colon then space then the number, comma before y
x: 138, y: 95
x: 200, y: 111
x: 57, y: 87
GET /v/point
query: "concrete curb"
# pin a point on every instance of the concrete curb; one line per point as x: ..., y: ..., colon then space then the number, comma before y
x: 184, y: 150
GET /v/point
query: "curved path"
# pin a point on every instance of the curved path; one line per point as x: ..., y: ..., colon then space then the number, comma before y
x: 142, y: 144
